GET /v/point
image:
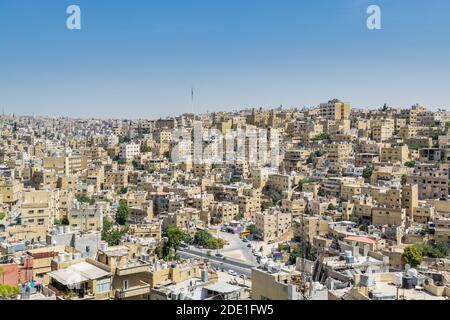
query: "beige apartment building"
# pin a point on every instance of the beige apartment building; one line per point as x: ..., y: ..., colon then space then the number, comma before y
x: 432, y: 180
x: 274, y: 285
x: 334, y: 110
x: 388, y: 216
x: 36, y: 212
x: 224, y: 211
x: 442, y: 231
x: 118, y: 179
x: 10, y: 190
x: 339, y: 152
x: 295, y: 206
x: 382, y: 132
x: 282, y: 182
x: 202, y: 202
x: 423, y: 213
x: 249, y: 205
x: 309, y: 227
x: 394, y: 154
x: 272, y: 224
x: 85, y: 217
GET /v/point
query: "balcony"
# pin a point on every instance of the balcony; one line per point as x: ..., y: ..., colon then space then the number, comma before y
x: 143, y: 288
x: 133, y: 268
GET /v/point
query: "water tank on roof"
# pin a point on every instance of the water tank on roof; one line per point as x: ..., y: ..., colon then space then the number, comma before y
x: 175, y: 294
x: 103, y: 246
x: 61, y: 257
x: 269, y: 266
x: 412, y: 272
x: 367, y: 280
x: 264, y: 262
x: 182, y: 295
x: 204, y: 275
x: 407, y: 282
x: 398, y: 279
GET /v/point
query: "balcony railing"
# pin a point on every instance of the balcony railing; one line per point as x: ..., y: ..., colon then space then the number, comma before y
x: 133, y: 268
x: 143, y: 288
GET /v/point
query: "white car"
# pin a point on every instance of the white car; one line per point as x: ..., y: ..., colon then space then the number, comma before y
x: 232, y: 273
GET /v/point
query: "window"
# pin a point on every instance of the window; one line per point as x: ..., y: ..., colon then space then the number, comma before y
x: 125, y: 285
x: 103, y: 285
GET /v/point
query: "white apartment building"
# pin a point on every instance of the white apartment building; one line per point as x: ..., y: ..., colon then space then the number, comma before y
x: 129, y: 151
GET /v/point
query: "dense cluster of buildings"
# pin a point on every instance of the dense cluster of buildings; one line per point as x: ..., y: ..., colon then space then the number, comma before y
x: 352, y: 195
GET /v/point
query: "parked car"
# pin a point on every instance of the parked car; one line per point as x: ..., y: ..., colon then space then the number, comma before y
x: 249, y: 245
x: 232, y: 273
x: 219, y: 255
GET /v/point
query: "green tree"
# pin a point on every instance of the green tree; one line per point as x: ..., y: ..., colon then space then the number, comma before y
x: 8, y: 291
x: 235, y: 179
x: 435, y: 135
x: 85, y: 199
x: 276, y: 197
x: 295, y: 253
x: 123, y: 190
x: 174, y: 237
x: 62, y: 222
x: 251, y: 228
x: 265, y: 206
x: 322, y: 136
x: 136, y: 164
x: 412, y: 255
x: 404, y: 179
x: 154, y: 168
x: 331, y: 207
x: 124, y: 139
x: 410, y: 164
x: 438, y: 249
x: 2, y: 216
x: 214, y: 243
x: 239, y: 216
x: 122, y: 214
x: 110, y: 234
x: 302, y: 183
x: 367, y: 173
x: 202, y: 237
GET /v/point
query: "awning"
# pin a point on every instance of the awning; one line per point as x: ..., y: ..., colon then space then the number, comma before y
x: 68, y: 277
x: 78, y: 273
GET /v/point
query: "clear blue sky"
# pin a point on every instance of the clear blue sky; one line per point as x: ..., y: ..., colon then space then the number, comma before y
x: 139, y: 58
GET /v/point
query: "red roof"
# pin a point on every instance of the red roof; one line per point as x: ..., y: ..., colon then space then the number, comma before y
x: 360, y: 239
